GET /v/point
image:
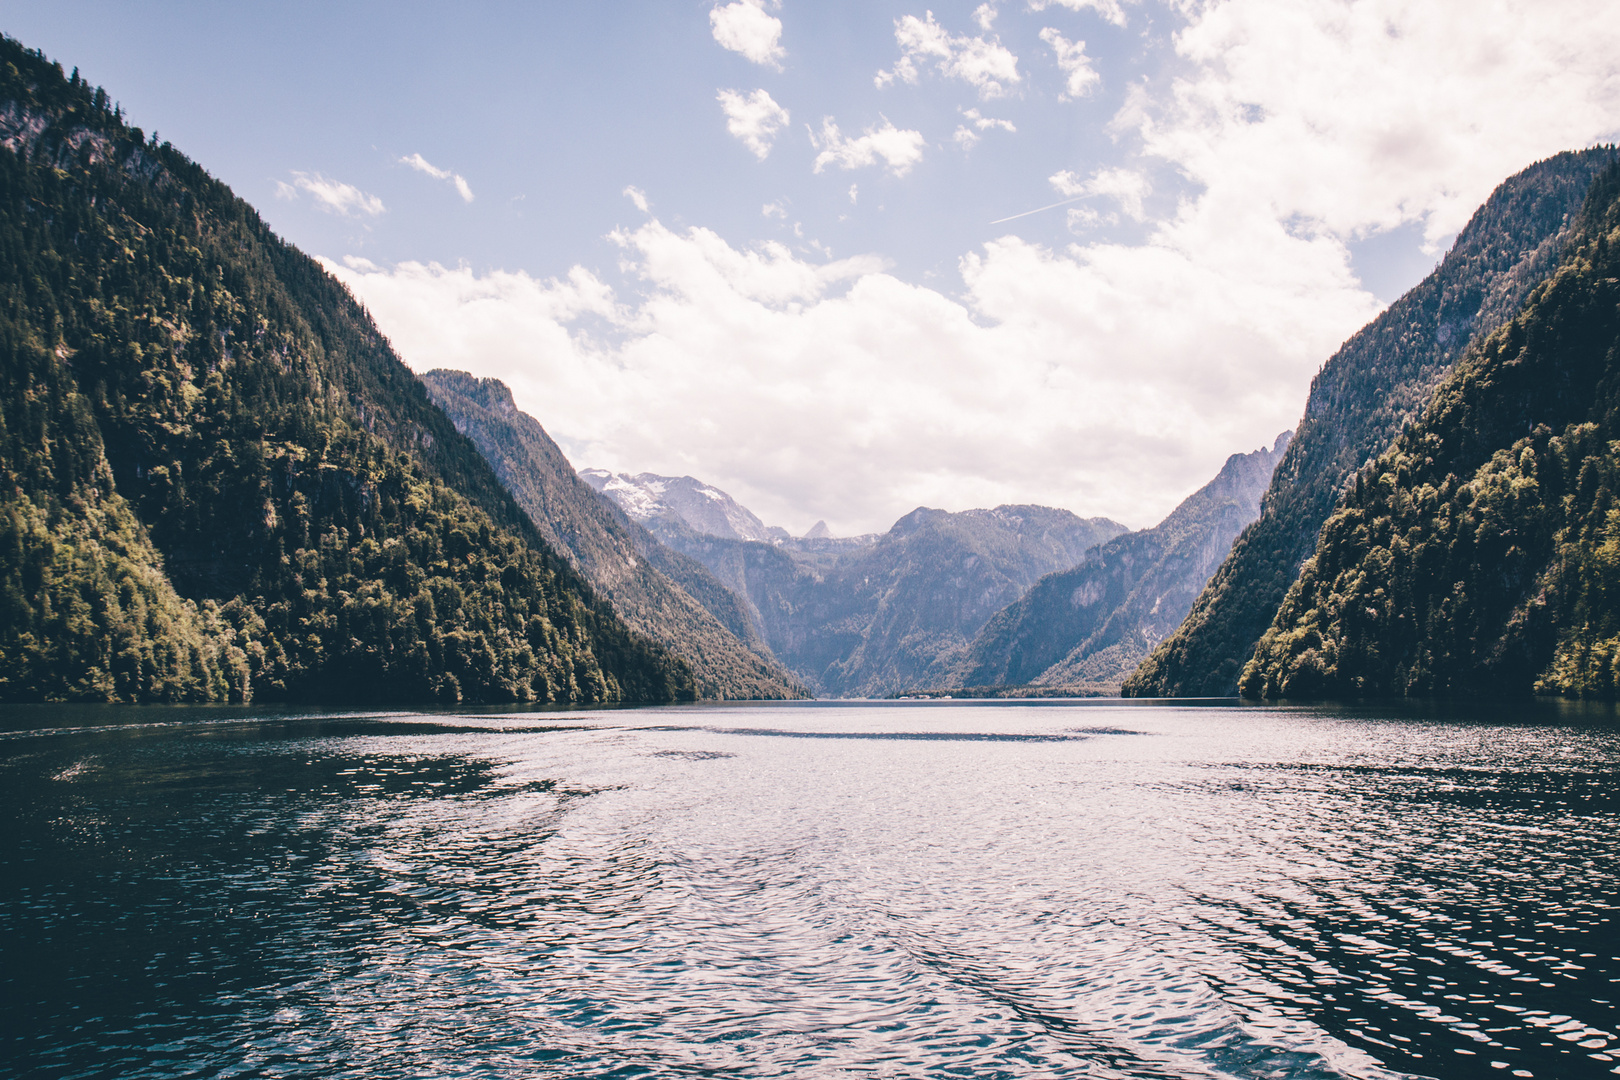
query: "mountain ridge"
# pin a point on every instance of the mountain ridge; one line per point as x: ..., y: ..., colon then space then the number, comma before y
x: 614, y: 552
x: 1093, y: 623
x: 1376, y: 383
x: 220, y: 482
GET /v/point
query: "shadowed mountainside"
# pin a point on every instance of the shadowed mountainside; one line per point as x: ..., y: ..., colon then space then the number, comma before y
x: 1373, y: 387
x: 1094, y: 623
x: 617, y: 555
x: 218, y: 482
x: 1480, y: 554
x: 869, y: 616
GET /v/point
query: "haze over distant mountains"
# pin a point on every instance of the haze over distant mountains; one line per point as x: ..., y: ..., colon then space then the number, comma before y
x: 869, y: 615
x: 1092, y: 625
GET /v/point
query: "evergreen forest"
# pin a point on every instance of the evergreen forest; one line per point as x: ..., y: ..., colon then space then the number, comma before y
x: 217, y: 480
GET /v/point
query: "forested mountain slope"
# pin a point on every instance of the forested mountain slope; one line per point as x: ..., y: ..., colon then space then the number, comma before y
x: 617, y: 555
x: 1364, y: 396
x: 1480, y: 554
x: 872, y: 616
x: 1093, y: 623
x: 217, y: 481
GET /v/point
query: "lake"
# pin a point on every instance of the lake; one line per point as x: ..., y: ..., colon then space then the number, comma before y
x: 930, y: 889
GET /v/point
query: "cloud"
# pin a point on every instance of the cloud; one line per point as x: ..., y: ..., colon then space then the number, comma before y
x: 899, y: 149
x: 988, y: 66
x: 984, y: 15
x: 1080, y: 78
x: 1354, y: 116
x: 331, y: 195
x: 755, y: 119
x: 836, y: 390
x: 1129, y: 187
x: 745, y: 27
x: 1108, y: 9
x: 1108, y: 377
x: 774, y: 210
x: 967, y: 138
x: 984, y: 123
x: 421, y: 164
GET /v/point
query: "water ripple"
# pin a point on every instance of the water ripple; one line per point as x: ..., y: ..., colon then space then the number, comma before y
x: 967, y: 891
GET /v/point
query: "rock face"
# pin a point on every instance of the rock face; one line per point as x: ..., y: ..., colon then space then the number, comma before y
x: 1480, y: 554
x: 218, y: 481
x: 657, y: 591
x: 706, y: 509
x: 1367, y: 393
x: 874, y: 615
x: 1092, y: 624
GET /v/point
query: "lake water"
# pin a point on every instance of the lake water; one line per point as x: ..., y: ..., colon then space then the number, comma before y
x: 947, y: 889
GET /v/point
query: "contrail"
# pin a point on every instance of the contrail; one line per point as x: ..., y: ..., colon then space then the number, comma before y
x: 1038, y: 209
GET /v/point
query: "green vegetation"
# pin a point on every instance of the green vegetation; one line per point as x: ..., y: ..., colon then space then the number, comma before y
x: 619, y: 557
x: 219, y: 483
x: 1480, y: 554
x: 1365, y: 395
x: 1092, y: 624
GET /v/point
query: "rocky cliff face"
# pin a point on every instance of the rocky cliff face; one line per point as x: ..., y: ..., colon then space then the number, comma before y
x: 704, y: 508
x: 1092, y: 624
x: 874, y: 615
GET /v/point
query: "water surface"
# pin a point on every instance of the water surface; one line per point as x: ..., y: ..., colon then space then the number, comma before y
x: 950, y: 889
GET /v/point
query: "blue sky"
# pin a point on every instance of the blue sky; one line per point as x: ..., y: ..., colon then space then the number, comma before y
x: 774, y: 244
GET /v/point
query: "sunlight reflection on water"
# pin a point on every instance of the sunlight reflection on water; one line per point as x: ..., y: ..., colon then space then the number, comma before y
x: 938, y: 889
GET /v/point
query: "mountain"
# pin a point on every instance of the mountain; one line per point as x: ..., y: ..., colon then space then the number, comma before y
x: 1480, y: 554
x: 218, y: 482
x: 1095, y: 622
x: 866, y: 616
x: 617, y: 555
x: 707, y: 509
x: 1376, y: 384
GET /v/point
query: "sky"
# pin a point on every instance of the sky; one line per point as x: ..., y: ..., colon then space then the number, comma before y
x: 842, y: 259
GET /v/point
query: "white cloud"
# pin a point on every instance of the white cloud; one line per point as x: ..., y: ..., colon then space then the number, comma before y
x: 984, y: 123
x: 1110, y: 378
x: 745, y: 27
x: 984, y: 15
x: 1108, y: 9
x: 637, y: 196
x: 965, y: 137
x: 755, y: 119
x: 774, y: 210
x: 899, y: 149
x: 854, y: 193
x: 1079, y: 77
x: 1129, y: 187
x: 1353, y: 116
x: 836, y: 390
x: 988, y: 66
x: 332, y: 196
x: 421, y: 164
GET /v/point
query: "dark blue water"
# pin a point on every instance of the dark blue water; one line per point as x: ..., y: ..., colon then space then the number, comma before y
x: 814, y: 890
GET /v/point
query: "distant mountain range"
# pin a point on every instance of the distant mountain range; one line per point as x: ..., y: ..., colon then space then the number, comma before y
x: 1092, y: 624
x: 707, y: 509
x: 869, y: 615
x: 1379, y: 382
